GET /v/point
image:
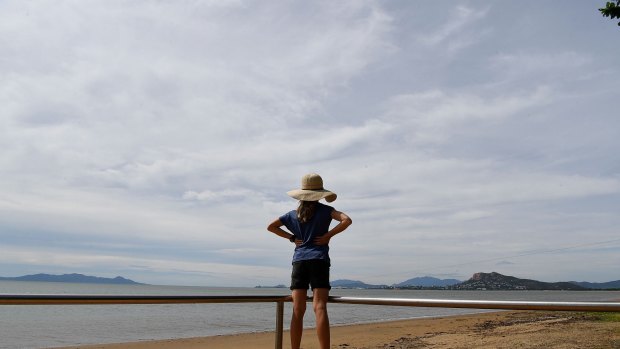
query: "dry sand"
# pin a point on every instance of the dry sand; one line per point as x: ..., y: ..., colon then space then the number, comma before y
x: 489, y: 330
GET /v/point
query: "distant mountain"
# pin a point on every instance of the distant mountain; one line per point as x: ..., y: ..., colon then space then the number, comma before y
x: 479, y: 281
x: 428, y: 281
x: 355, y: 284
x: 497, y: 281
x: 74, y: 278
x: 599, y: 286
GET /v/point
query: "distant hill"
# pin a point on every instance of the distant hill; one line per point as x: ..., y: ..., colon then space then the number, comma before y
x: 276, y: 286
x: 74, y: 278
x: 497, y: 281
x: 599, y: 286
x: 428, y: 281
x: 479, y: 281
x: 355, y: 284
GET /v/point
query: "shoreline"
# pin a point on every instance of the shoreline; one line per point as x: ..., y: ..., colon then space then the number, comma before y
x: 502, y: 329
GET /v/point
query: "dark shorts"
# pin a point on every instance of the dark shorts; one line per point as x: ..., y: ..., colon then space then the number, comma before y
x: 311, y: 273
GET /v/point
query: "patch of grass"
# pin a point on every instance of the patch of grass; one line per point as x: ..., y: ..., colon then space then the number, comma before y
x: 606, y: 317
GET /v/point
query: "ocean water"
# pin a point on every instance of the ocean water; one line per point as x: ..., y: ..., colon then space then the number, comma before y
x: 30, y: 326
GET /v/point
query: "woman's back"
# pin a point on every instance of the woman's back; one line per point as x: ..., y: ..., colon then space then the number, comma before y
x: 316, y: 226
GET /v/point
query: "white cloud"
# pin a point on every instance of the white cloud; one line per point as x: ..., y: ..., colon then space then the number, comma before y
x: 209, y: 195
x: 178, y: 128
x: 460, y: 18
x: 457, y: 32
x: 433, y: 116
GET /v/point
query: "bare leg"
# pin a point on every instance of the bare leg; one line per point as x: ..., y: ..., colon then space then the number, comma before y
x: 319, y: 303
x: 297, y: 320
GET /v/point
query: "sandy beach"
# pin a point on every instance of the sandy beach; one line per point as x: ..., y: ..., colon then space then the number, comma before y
x: 514, y: 329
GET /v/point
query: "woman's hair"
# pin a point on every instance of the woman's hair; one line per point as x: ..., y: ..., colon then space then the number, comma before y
x: 305, y: 210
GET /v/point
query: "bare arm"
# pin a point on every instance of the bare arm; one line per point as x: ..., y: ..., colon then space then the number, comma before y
x: 344, y: 222
x: 275, y: 227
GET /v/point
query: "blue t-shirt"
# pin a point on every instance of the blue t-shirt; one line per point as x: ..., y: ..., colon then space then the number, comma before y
x: 317, y: 226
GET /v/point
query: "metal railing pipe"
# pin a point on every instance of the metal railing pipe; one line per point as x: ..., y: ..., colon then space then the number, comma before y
x: 483, y: 304
x: 33, y: 299
x: 65, y: 299
x: 279, y: 324
x: 437, y: 303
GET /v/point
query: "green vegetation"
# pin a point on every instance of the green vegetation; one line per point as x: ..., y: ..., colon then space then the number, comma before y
x: 606, y: 317
x: 611, y: 10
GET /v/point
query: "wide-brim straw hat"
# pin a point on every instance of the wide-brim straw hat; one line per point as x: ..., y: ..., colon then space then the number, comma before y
x: 312, y: 189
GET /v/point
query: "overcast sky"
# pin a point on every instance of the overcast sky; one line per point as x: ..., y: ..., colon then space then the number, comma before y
x: 157, y: 139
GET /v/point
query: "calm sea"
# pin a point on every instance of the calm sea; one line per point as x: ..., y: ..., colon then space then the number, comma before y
x: 63, y: 325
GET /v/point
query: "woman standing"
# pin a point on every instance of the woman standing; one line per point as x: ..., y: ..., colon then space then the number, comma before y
x: 308, y: 228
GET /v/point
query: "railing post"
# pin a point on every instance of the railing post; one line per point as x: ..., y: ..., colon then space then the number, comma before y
x: 279, y: 324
